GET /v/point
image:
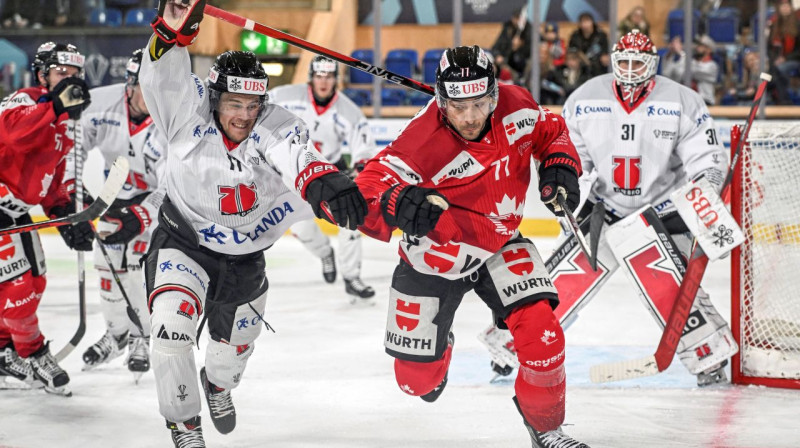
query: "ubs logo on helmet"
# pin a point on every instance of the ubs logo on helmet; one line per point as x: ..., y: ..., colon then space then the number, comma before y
x: 467, y: 89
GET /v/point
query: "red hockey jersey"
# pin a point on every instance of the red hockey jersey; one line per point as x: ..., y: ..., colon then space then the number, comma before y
x: 485, y: 182
x: 33, y: 146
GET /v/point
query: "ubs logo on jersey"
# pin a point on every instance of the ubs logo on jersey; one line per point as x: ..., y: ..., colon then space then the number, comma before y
x: 461, y: 167
x: 519, y: 124
x: 239, y: 200
x: 626, y: 174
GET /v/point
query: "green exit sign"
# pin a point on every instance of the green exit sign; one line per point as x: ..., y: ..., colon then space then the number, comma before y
x: 260, y: 44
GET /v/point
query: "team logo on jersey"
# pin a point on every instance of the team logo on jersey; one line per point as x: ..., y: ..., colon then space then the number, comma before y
x: 518, y: 261
x: 508, y: 215
x: 442, y: 258
x: 590, y: 109
x: 519, y: 124
x: 239, y: 200
x: 186, y: 309
x: 662, y: 111
x: 626, y: 174
x: 461, y: 167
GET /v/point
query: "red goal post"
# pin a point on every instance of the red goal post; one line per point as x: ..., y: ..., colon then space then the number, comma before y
x: 765, y: 269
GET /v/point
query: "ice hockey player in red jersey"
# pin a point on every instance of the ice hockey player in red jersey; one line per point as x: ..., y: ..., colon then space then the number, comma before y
x: 455, y: 182
x: 36, y: 132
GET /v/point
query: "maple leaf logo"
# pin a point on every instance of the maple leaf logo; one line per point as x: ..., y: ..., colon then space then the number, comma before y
x: 508, y: 215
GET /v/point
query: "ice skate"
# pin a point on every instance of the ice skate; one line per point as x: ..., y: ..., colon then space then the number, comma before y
x: 500, y: 371
x: 15, y: 372
x: 713, y: 375
x: 104, y: 350
x: 433, y: 395
x: 553, y: 439
x: 358, y: 291
x: 329, y: 267
x: 188, y: 434
x: 220, y: 405
x: 138, y: 360
x: 46, y: 369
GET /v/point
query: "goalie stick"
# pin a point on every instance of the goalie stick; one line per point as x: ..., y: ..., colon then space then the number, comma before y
x: 668, y: 345
x: 374, y: 70
x: 114, y: 182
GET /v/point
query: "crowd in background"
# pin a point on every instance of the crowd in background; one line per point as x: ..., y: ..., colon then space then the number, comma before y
x: 725, y: 74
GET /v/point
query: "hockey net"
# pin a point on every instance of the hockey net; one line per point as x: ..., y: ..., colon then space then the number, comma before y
x: 765, y: 290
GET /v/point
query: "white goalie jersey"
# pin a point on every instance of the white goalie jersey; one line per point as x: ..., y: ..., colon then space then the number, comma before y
x: 640, y: 156
x: 105, y: 126
x: 329, y: 126
x: 237, y: 201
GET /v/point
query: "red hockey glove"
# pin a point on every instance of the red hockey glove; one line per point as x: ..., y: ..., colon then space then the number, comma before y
x: 178, y: 21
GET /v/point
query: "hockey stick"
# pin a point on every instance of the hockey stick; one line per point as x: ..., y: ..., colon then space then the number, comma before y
x: 76, y: 338
x: 380, y: 72
x: 595, y: 227
x: 678, y: 316
x: 114, y: 182
x: 573, y: 225
x: 129, y: 307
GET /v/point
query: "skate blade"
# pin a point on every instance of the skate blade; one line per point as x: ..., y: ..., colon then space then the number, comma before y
x: 63, y: 391
x: 136, y: 377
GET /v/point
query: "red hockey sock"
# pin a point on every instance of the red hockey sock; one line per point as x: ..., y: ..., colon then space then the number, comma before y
x: 541, y: 380
x: 419, y: 378
x: 18, y: 313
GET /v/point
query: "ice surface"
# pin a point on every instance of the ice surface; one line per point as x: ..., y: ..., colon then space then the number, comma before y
x: 323, y: 380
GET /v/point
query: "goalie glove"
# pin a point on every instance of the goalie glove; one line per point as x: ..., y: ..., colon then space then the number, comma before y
x: 70, y: 96
x: 177, y: 22
x: 409, y: 208
x: 558, y: 174
x: 130, y: 222
x: 332, y: 195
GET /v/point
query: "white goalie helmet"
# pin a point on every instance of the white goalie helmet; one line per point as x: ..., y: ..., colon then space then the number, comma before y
x: 639, y: 54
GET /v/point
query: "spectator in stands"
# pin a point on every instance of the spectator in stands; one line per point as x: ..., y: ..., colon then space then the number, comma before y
x: 553, y: 49
x: 560, y: 82
x: 512, y: 49
x: 744, y: 92
x: 590, y: 40
x: 635, y: 20
x: 19, y: 13
x: 65, y: 13
x: 784, y: 48
x: 704, y: 69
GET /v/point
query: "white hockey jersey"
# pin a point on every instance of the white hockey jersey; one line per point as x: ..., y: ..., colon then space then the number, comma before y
x: 329, y: 126
x: 237, y: 201
x: 640, y: 156
x: 106, y: 126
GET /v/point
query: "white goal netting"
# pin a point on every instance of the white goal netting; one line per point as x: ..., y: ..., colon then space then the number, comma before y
x: 768, y: 280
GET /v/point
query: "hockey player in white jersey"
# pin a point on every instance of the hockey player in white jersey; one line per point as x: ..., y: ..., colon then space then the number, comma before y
x: 233, y: 172
x: 641, y: 137
x: 332, y: 120
x: 119, y: 124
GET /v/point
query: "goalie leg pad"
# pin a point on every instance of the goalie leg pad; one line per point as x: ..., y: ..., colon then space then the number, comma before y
x: 19, y: 300
x: 541, y: 380
x: 309, y: 233
x: 707, y: 340
x: 173, y: 323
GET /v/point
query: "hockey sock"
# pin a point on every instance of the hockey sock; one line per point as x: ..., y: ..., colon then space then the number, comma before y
x: 419, y: 378
x: 19, y: 313
x: 541, y: 380
x: 225, y: 363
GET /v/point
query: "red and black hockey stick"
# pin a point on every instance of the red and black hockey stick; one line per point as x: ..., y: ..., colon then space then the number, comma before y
x: 117, y: 177
x: 676, y: 322
x: 380, y: 72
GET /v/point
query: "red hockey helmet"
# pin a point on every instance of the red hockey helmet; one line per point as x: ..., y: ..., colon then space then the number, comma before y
x: 634, y: 59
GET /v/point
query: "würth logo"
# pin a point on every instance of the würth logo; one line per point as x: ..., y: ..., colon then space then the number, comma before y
x: 518, y: 261
x: 407, y: 315
x: 511, y: 129
x: 239, y: 200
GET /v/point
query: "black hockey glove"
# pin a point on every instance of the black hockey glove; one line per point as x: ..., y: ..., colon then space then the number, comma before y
x: 77, y: 236
x: 336, y: 199
x: 178, y: 21
x: 130, y: 221
x: 70, y: 95
x: 409, y: 208
x: 559, y: 173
